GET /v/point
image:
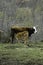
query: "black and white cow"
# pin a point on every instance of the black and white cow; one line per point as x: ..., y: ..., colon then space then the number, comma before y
x: 17, y: 29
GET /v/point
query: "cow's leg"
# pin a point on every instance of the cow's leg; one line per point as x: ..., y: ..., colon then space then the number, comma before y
x: 26, y: 37
x: 12, y: 38
x: 24, y: 40
x: 17, y: 38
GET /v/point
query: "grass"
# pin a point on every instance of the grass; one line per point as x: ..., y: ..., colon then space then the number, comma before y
x: 20, y: 54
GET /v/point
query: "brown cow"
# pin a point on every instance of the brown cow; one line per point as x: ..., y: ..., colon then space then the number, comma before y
x: 22, y: 36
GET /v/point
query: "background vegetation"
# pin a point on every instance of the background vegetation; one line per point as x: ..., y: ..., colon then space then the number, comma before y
x: 22, y: 13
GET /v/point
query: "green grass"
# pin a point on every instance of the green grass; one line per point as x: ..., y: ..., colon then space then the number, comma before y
x: 20, y: 54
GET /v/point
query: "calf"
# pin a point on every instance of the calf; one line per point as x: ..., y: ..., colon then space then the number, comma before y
x: 22, y: 36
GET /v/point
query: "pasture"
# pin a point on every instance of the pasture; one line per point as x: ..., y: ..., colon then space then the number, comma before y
x: 20, y: 54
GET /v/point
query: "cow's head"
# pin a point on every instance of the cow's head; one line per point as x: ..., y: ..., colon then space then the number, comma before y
x: 32, y: 30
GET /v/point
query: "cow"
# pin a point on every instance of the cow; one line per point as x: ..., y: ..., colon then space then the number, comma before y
x: 17, y: 29
x: 22, y: 36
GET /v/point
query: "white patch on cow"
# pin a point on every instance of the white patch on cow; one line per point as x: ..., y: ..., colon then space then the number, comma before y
x: 35, y: 29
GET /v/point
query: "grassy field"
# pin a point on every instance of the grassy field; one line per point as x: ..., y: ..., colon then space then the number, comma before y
x: 20, y: 54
